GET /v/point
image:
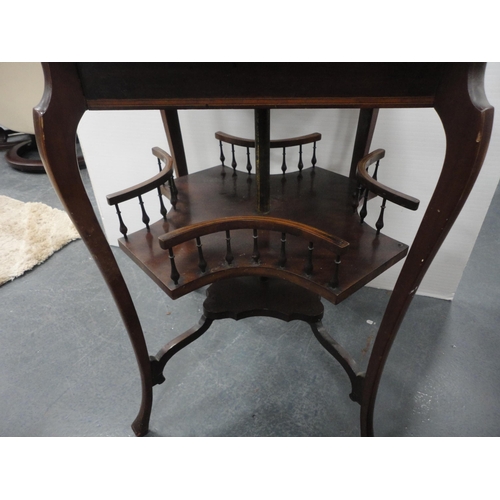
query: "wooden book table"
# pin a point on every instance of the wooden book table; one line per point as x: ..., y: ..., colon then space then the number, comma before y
x: 266, y: 245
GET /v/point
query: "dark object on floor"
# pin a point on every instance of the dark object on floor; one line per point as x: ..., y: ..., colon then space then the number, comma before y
x: 24, y: 157
x: 10, y: 138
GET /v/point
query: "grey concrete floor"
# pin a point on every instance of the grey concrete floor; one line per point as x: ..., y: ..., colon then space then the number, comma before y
x: 67, y: 367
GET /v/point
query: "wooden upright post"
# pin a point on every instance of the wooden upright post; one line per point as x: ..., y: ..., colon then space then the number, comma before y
x: 364, y: 134
x: 262, y: 159
x: 172, y: 126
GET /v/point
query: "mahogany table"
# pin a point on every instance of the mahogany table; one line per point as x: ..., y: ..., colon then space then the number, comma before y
x: 243, y: 233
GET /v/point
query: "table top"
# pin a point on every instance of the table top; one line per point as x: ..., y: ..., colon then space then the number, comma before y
x: 251, y: 85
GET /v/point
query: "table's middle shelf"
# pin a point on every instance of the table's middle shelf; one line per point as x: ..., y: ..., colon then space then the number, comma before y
x: 319, y: 199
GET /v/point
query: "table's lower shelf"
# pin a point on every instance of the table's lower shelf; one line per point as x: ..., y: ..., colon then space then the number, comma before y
x: 319, y: 198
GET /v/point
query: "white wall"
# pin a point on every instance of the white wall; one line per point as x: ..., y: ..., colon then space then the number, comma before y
x: 117, y: 149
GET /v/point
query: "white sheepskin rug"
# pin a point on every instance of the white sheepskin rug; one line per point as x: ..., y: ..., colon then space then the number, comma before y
x: 29, y: 234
